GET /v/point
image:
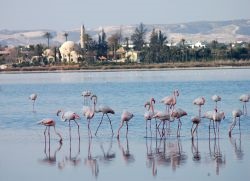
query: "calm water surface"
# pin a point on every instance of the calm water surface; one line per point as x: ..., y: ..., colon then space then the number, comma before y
x: 24, y: 154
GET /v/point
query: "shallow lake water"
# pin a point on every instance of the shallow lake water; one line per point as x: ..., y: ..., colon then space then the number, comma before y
x: 26, y: 154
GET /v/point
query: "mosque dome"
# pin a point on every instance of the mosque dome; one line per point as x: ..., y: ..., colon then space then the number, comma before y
x: 48, y: 52
x: 68, y: 46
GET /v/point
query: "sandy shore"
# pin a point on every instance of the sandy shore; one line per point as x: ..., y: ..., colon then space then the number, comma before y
x: 133, y: 67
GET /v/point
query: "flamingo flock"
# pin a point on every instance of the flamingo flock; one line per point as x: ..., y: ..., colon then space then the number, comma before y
x: 168, y: 115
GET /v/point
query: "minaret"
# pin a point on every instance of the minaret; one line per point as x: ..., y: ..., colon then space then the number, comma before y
x: 82, y: 41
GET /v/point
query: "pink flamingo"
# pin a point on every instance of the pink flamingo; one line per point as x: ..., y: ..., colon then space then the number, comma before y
x: 148, y: 116
x: 170, y: 101
x: 163, y: 117
x: 200, y: 101
x: 216, y: 99
x: 105, y: 110
x: 237, y: 113
x: 178, y: 113
x: 217, y: 117
x: 33, y: 97
x: 196, y: 121
x: 125, y: 117
x: 89, y: 113
x: 69, y: 116
x: 48, y: 122
x: 244, y: 98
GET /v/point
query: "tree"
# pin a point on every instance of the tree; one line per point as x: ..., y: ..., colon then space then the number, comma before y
x: 113, y: 41
x: 48, y: 36
x: 66, y: 36
x: 138, y: 38
x: 127, y: 43
x: 102, y: 46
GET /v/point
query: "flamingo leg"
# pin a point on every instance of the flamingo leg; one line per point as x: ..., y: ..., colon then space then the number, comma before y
x: 246, y: 107
x: 118, y: 133
x: 78, y: 127
x: 99, y: 125
x: 110, y: 124
x: 150, y: 127
x: 127, y: 129
x: 239, y: 123
x: 90, y: 134
x: 192, y: 131
x: 58, y: 135
x: 146, y: 128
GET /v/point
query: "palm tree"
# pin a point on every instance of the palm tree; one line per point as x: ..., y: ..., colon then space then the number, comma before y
x: 66, y: 36
x: 48, y: 36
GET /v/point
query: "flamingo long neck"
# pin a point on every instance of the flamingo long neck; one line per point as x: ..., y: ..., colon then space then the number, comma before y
x: 152, y: 106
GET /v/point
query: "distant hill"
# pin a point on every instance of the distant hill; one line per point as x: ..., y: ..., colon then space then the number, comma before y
x: 222, y: 31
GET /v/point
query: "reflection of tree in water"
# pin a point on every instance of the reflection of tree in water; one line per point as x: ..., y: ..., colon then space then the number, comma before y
x: 216, y: 154
x: 127, y: 156
x: 91, y: 161
x: 195, y: 150
x: 150, y: 162
x: 49, y: 159
x: 236, y: 143
x: 170, y: 153
x: 107, y: 156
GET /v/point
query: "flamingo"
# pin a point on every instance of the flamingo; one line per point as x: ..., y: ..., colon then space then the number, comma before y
x: 237, y: 113
x: 244, y: 98
x: 105, y: 110
x: 196, y: 121
x: 69, y: 116
x: 86, y: 94
x: 163, y: 117
x: 33, y: 97
x: 178, y: 113
x: 89, y: 113
x: 216, y: 99
x: 48, y: 122
x: 125, y: 117
x: 200, y: 101
x: 170, y: 101
x: 149, y: 114
x: 217, y: 117
x: 209, y: 115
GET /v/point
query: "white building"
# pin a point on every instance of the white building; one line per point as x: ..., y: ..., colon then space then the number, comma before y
x: 70, y: 52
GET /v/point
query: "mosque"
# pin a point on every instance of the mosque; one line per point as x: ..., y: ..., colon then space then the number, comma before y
x: 70, y: 51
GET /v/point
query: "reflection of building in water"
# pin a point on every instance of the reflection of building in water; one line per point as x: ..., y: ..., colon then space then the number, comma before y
x: 236, y: 143
x: 216, y: 156
x: 91, y: 161
x: 126, y: 155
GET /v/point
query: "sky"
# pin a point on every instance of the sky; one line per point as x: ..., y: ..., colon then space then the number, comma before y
x: 70, y: 14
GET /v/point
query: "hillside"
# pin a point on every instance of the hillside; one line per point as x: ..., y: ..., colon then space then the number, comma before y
x: 222, y: 31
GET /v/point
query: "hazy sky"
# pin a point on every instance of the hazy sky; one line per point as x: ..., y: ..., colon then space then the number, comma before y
x: 70, y: 14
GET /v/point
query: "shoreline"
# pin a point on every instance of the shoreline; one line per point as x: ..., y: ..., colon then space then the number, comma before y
x: 132, y: 67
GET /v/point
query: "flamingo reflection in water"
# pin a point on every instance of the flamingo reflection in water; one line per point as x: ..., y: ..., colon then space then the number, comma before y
x: 151, y: 162
x: 236, y: 143
x: 49, y: 159
x: 195, y: 150
x: 71, y: 160
x: 126, y: 155
x: 171, y: 154
x: 216, y: 154
x: 91, y: 161
x: 108, y: 156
